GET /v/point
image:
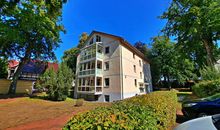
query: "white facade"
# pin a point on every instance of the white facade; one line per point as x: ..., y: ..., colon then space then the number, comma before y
x: 108, y: 69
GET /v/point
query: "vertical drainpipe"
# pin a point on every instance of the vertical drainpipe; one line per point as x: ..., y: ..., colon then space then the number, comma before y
x: 121, y: 73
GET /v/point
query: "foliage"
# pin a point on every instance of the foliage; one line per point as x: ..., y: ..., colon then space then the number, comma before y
x: 206, y: 88
x: 168, y: 62
x: 213, y: 97
x: 82, y: 40
x: 70, y: 56
x: 210, y: 73
x: 3, y: 68
x: 134, y: 113
x: 29, y: 30
x: 58, y: 84
x: 196, y: 24
x: 164, y: 104
x: 142, y: 47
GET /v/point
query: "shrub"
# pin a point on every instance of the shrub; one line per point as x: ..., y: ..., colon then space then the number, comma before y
x: 153, y: 111
x: 210, y: 73
x: 163, y: 102
x: 79, y: 102
x: 206, y: 88
x: 58, y: 84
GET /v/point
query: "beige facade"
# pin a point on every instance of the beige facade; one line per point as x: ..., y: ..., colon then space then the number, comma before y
x: 109, y: 69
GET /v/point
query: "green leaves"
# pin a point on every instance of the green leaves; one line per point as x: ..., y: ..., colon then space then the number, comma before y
x: 30, y: 26
x: 140, y: 112
x: 70, y: 56
x: 194, y: 22
x: 3, y: 68
x: 58, y: 84
x: 169, y: 62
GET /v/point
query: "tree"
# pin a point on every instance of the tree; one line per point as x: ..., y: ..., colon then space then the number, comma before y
x: 195, y: 23
x: 168, y: 62
x: 70, y: 56
x: 82, y: 40
x: 31, y: 30
x: 3, y: 68
x: 58, y: 84
x: 142, y: 47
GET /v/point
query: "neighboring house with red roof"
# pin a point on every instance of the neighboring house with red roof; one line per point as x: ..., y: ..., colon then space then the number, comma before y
x: 32, y: 70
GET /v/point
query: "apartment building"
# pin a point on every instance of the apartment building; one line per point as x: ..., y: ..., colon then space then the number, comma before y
x: 110, y: 69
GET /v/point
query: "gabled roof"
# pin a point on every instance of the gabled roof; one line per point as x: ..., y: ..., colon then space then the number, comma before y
x: 122, y: 41
x: 34, y: 67
x: 12, y: 63
x: 53, y: 66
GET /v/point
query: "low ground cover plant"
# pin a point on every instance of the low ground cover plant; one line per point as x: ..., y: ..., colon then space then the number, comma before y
x: 152, y: 111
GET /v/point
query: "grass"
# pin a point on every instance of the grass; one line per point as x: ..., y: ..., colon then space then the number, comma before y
x: 24, y: 110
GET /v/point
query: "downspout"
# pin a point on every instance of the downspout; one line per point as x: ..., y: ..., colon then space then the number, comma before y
x: 121, y: 74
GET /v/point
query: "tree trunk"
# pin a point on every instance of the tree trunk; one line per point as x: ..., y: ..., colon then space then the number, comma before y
x: 168, y: 79
x: 209, y: 51
x: 12, y: 89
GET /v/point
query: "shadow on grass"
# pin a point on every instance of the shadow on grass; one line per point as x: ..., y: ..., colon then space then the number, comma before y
x: 10, y: 96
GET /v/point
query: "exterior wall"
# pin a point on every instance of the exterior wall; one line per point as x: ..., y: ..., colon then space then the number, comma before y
x: 147, y: 77
x: 22, y: 86
x: 114, y: 89
x: 128, y: 62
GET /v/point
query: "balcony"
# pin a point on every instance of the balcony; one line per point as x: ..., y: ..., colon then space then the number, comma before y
x: 92, y: 51
x: 87, y: 85
x: 99, y: 55
x: 87, y: 72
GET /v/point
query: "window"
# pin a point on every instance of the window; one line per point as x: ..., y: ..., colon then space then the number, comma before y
x: 135, y: 82
x: 107, y: 98
x: 84, y: 82
x: 107, y: 50
x: 98, y: 82
x: 135, y: 68
x: 106, y: 65
x: 141, y: 75
x: 84, y: 66
x: 88, y: 65
x: 91, y: 42
x: 140, y: 62
x: 81, y: 67
x: 98, y: 38
x: 133, y: 55
x: 80, y: 82
x: 106, y: 82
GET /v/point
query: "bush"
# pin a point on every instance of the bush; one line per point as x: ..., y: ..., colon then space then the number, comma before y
x: 206, y: 88
x: 163, y: 102
x: 58, y: 84
x: 210, y: 73
x: 154, y: 111
x: 79, y: 102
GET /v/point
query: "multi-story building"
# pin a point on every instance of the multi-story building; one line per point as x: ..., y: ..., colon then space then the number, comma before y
x: 109, y: 69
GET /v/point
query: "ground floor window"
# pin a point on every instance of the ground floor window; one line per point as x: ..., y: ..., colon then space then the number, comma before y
x: 107, y: 98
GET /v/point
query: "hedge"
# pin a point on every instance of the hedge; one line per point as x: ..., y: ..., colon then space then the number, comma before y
x: 153, y: 111
x: 206, y: 88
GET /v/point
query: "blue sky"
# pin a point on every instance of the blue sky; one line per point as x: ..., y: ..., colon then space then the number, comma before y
x: 134, y: 20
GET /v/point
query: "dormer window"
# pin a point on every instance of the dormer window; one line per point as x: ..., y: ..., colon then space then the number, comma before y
x: 98, y: 38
